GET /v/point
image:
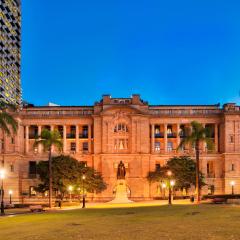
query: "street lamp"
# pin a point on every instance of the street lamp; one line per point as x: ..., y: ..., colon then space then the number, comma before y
x: 83, y: 180
x: 70, y: 188
x: 171, y: 184
x: 232, y: 183
x: 2, y: 176
x: 169, y: 173
x: 10, y: 192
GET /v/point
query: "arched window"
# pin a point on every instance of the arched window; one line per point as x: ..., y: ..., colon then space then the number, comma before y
x: 121, y: 127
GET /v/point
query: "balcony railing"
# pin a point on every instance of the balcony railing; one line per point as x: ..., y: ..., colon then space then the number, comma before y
x: 83, y: 135
x: 159, y: 135
x: 71, y: 135
x: 57, y: 112
x: 32, y: 136
x: 184, y: 112
x: 171, y: 135
x: 182, y: 135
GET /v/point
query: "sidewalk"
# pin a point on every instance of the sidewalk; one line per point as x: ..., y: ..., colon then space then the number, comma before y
x: 18, y: 211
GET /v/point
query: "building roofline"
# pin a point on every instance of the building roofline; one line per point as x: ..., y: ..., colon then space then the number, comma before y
x: 186, y: 105
x: 30, y: 107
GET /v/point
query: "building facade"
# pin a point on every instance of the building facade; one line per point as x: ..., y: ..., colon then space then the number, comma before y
x: 10, y: 54
x: 130, y: 130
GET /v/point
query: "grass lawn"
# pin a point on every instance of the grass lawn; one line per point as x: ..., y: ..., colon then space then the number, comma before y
x: 211, y: 222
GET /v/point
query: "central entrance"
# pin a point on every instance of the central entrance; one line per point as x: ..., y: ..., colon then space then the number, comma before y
x: 121, y: 189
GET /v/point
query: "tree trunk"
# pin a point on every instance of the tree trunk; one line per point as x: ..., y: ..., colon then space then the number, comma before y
x: 50, y: 176
x: 197, y: 173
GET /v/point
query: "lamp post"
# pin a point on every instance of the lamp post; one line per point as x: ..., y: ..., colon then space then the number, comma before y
x: 2, y: 176
x: 171, y: 185
x: 10, y: 192
x: 70, y: 188
x: 83, y: 180
x: 232, y: 183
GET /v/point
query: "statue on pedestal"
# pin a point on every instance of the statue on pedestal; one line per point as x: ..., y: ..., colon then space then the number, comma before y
x: 121, y: 172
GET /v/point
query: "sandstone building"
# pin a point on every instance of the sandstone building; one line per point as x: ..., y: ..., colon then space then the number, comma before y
x: 130, y: 130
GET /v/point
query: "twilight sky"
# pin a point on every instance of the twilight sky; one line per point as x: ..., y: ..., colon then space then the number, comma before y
x: 170, y: 52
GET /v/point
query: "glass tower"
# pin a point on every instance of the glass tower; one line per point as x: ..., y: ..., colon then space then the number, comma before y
x: 10, y: 54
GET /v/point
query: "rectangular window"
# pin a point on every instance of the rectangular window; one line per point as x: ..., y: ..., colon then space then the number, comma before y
x: 232, y: 167
x: 32, y: 169
x: 210, y: 170
x: 85, y: 131
x: 157, y: 166
x: 231, y: 139
x: 169, y: 146
x: 157, y: 146
x: 85, y: 146
x: 32, y: 191
x: 60, y: 130
x: 84, y: 163
x: 11, y: 167
x: 73, y: 146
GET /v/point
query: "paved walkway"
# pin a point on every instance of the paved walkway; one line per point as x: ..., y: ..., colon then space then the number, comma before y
x: 17, y: 211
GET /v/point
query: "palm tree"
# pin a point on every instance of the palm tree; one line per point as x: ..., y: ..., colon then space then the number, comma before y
x: 196, y: 134
x: 49, y: 139
x: 7, y: 121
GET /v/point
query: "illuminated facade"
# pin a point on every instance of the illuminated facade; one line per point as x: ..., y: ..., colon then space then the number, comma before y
x: 130, y: 130
x: 10, y: 55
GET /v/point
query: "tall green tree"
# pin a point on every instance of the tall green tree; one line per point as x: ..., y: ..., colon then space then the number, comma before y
x: 69, y: 171
x: 48, y: 139
x: 8, y: 124
x: 183, y: 170
x: 195, y: 135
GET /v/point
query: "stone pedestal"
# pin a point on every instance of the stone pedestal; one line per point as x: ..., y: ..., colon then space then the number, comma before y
x: 121, y: 192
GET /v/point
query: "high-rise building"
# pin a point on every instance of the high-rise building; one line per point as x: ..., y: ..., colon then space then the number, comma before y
x: 10, y: 54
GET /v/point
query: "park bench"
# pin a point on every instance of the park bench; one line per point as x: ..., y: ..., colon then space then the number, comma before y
x: 36, y: 208
x: 218, y: 200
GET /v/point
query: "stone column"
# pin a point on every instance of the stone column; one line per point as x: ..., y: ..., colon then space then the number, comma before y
x: 216, y: 137
x: 64, y: 138
x: 39, y: 134
x: 165, y: 137
x: 89, y: 138
x: 77, y: 138
x: 153, y: 137
x: 26, y: 139
x: 178, y: 137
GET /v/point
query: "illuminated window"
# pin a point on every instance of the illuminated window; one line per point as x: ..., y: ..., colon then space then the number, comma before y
x: 32, y: 191
x: 169, y: 146
x: 121, y: 127
x: 157, y: 146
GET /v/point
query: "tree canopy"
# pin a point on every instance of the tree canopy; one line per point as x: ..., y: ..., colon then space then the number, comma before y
x: 69, y: 171
x: 183, y: 171
x: 6, y: 119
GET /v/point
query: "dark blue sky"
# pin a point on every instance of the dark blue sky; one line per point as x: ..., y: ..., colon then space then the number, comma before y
x: 170, y: 52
